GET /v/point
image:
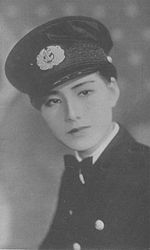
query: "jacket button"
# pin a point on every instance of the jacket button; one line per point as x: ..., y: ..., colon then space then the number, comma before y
x: 99, y: 225
x: 76, y: 246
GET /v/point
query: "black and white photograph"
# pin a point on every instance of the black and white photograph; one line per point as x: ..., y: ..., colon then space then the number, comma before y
x: 75, y: 125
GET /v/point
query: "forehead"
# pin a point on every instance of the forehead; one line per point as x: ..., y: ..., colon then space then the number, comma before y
x: 71, y: 84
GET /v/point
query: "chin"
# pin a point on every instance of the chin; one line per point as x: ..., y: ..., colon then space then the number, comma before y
x: 80, y: 147
x: 80, y: 144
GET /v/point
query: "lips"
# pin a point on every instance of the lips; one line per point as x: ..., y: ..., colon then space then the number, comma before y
x: 75, y: 130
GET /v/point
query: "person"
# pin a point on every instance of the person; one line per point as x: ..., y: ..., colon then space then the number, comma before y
x: 65, y: 67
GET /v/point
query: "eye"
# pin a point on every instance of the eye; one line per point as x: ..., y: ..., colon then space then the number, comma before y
x: 85, y: 92
x: 51, y: 102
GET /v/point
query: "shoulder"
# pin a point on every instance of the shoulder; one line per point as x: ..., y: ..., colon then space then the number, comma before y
x: 139, y: 150
x: 129, y: 159
x: 134, y: 160
x: 127, y: 142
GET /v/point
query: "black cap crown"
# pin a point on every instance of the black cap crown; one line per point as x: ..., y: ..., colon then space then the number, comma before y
x: 57, y: 51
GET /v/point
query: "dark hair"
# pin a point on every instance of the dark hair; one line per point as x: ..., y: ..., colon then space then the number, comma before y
x: 108, y: 71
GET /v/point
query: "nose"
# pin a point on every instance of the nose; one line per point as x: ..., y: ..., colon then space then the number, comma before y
x: 73, y: 110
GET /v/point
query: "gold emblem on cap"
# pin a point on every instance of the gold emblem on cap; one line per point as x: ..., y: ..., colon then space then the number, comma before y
x: 49, y: 57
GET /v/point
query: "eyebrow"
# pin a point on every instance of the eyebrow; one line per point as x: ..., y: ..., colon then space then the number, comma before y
x: 55, y: 92
x: 81, y: 84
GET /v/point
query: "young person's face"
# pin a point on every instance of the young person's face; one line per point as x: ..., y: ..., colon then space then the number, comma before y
x: 79, y: 113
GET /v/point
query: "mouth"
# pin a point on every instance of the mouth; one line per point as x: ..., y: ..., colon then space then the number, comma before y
x: 76, y: 130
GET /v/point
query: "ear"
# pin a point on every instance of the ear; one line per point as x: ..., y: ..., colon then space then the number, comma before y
x: 114, y: 91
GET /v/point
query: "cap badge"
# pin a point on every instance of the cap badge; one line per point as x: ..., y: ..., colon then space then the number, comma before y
x: 49, y: 57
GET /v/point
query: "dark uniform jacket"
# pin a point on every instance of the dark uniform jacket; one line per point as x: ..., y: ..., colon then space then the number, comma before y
x: 109, y: 211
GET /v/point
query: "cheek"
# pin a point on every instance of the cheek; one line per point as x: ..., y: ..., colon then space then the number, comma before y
x: 53, y: 121
x: 98, y: 108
